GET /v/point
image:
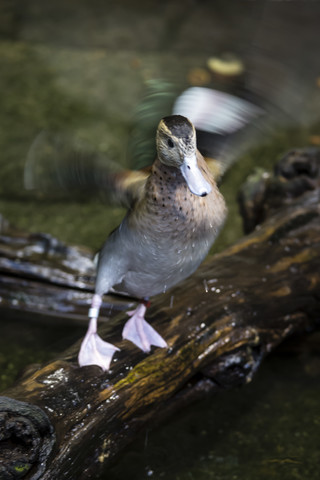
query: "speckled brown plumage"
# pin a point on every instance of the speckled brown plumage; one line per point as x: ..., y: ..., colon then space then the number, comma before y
x: 168, y: 232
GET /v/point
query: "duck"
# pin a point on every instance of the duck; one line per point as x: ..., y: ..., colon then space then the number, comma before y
x: 174, y: 207
x: 175, y: 213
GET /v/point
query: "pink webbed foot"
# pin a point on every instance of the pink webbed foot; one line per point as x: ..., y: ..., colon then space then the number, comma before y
x: 139, y: 332
x: 94, y: 350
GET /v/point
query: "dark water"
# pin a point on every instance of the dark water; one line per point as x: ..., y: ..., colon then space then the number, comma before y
x: 82, y: 69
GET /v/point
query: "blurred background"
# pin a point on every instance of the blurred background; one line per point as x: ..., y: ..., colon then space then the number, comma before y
x: 99, y: 75
x: 102, y: 74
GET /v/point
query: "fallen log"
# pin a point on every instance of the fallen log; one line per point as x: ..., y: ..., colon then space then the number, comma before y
x: 62, y: 421
x: 43, y: 277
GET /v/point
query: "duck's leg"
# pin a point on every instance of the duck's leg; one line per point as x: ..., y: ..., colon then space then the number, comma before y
x: 94, y: 350
x: 139, y: 332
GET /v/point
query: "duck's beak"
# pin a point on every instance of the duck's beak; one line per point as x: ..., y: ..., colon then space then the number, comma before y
x: 194, y: 178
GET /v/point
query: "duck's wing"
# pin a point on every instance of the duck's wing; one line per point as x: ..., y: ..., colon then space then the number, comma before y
x: 126, y: 186
x: 224, y: 124
x: 57, y: 167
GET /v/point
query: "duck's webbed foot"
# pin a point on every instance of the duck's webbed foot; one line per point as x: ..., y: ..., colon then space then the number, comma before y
x: 94, y: 350
x: 139, y: 332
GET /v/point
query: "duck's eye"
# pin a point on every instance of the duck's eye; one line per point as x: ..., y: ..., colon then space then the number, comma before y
x: 170, y: 143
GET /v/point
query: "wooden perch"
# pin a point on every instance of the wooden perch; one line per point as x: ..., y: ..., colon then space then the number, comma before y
x: 62, y: 421
x: 42, y: 277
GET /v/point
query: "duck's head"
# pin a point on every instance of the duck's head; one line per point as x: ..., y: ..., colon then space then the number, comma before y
x: 177, y: 147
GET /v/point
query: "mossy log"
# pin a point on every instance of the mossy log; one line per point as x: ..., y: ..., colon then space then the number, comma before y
x: 62, y: 421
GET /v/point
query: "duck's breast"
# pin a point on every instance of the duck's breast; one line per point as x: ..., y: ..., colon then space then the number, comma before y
x: 169, y: 233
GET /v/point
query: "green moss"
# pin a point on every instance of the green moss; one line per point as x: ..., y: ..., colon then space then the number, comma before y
x: 22, y: 469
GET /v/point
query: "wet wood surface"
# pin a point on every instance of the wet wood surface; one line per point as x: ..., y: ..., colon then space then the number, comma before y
x: 62, y: 421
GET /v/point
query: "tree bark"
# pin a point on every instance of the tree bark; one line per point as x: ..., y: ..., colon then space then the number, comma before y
x: 62, y: 421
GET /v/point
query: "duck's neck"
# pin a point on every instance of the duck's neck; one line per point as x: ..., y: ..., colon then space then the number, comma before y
x: 164, y: 176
